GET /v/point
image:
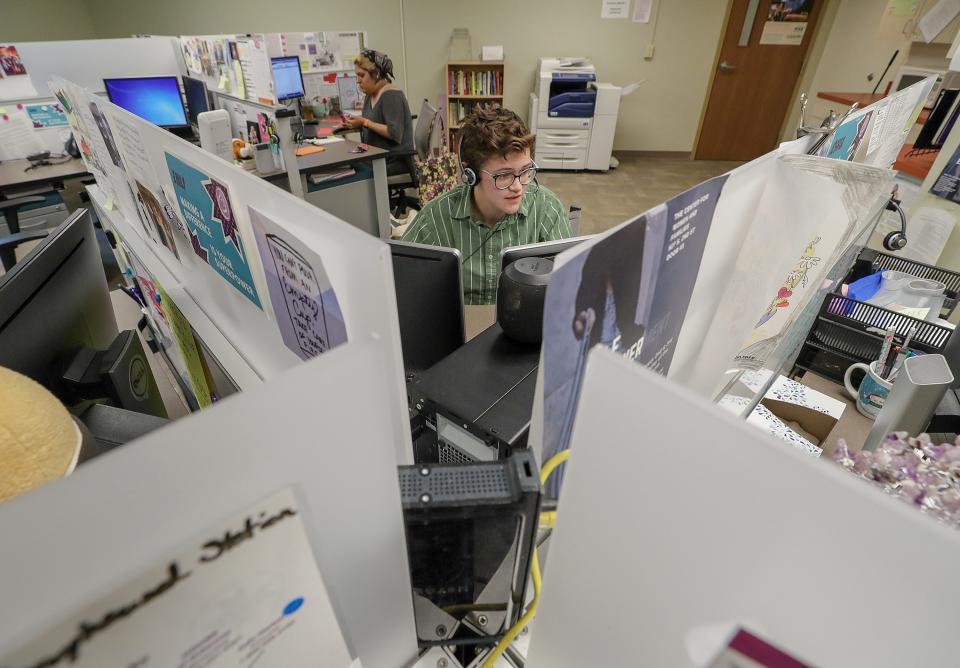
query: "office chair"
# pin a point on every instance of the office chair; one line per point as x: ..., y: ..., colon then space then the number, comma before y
x: 10, y: 208
x: 427, y: 124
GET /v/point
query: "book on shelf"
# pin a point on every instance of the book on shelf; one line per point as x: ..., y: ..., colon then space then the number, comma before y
x: 462, y: 82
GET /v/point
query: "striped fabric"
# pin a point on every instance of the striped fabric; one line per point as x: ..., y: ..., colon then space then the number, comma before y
x: 447, y: 221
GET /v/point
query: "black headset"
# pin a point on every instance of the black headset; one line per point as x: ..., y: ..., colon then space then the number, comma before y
x: 469, y: 176
x: 897, y: 239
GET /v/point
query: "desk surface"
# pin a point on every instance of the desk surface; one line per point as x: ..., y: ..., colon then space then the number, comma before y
x: 477, y: 318
x: 336, y: 154
x: 917, y: 165
x: 12, y: 174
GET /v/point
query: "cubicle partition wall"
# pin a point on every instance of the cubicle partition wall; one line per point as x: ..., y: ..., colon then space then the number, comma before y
x: 266, y: 279
x: 680, y: 524
x: 297, y: 472
x: 30, y: 123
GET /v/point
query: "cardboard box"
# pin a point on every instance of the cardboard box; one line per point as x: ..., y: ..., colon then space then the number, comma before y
x: 797, y: 414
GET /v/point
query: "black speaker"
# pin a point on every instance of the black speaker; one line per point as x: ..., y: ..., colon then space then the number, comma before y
x: 520, y: 295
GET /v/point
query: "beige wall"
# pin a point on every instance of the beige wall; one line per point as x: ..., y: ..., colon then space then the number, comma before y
x: 662, y: 116
x: 862, y: 37
x: 45, y: 20
x: 856, y: 37
x: 380, y: 18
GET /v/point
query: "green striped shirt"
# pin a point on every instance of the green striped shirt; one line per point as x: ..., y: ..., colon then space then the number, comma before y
x: 447, y: 220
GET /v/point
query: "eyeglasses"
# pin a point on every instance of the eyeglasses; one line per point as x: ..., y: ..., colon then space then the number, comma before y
x: 504, y: 180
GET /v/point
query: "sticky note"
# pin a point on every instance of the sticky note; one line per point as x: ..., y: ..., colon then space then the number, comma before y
x: 3, y: 110
x: 223, y: 83
x: 109, y: 203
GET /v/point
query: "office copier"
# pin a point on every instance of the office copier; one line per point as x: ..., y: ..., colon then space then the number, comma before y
x: 573, y: 116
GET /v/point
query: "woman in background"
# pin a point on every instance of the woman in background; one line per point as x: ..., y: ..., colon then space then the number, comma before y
x: 385, y: 121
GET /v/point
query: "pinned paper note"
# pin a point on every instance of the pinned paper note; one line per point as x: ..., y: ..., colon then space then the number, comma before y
x: 918, y: 312
x: 109, y: 203
x: 304, y: 303
x: 223, y: 82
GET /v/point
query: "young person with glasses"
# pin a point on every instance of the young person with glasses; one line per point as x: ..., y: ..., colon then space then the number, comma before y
x: 499, y: 204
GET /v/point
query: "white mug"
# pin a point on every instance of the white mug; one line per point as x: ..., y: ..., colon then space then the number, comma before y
x: 873, y: 390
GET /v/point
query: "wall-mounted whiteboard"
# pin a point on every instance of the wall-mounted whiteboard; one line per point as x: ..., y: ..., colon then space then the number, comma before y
x: 88, y: 62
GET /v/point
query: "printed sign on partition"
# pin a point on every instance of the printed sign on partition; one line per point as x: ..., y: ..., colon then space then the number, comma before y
x: 689, y: 217
x: 304, y: 304
x: 48, y: 115
x: 246, y: 592
x: 592, y: 299
x: 170, y: 328
x: 212, y: 224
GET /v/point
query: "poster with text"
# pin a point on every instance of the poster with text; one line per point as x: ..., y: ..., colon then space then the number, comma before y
x: 210, y: 219
x: 593, y: 298
x: 688, y: 219
x: 305, y: 305
x: 786, y: 22
x: 246, y: 592
x: 947, y: 184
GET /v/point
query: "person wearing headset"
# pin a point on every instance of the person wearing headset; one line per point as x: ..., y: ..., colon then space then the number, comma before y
x: 498, y: 205
x: 385, y: 121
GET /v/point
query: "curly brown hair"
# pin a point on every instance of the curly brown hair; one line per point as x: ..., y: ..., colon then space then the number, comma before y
x: 492, y: 131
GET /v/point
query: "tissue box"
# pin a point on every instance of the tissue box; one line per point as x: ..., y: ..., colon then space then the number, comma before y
x: 793, y: 412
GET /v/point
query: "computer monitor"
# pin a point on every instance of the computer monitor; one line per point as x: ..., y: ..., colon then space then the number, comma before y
x: 154, y: 99
x: 57, y: 324
x: 54, y: 302
x: 198, y: 100
x: 287, y: 78
x: 429, y: 302
x: 546, y: 249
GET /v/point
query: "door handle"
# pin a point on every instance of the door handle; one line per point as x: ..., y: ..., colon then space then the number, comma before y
x: 727, y: 67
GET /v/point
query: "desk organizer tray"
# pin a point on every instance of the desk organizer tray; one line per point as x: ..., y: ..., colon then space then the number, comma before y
x: 848, y: 331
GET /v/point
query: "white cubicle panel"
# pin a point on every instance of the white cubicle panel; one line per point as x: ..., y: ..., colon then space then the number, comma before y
x: 357, y: 266
x: 677, y: 520
x: 87, y: 62
x: 320, y: 429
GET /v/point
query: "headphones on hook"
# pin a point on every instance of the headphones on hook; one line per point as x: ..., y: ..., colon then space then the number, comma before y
x: 897, y: 239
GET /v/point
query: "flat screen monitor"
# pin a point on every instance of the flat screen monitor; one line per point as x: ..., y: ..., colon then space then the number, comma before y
x: 287, y: 78
x: 198, y: 100
x: 429, y: 302
x: 154, y: 99
x: 54, y: 302
x: 545, y: 249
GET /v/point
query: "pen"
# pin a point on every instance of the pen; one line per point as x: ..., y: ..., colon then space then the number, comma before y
x: 885, y: 350
x: 889, y: 362
x: 904, y: 350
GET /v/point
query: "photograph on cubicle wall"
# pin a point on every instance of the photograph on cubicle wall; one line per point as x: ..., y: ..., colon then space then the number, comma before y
x: 304, y: 303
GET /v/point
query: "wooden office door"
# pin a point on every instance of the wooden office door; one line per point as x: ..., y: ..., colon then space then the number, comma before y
x: 753, y: 85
